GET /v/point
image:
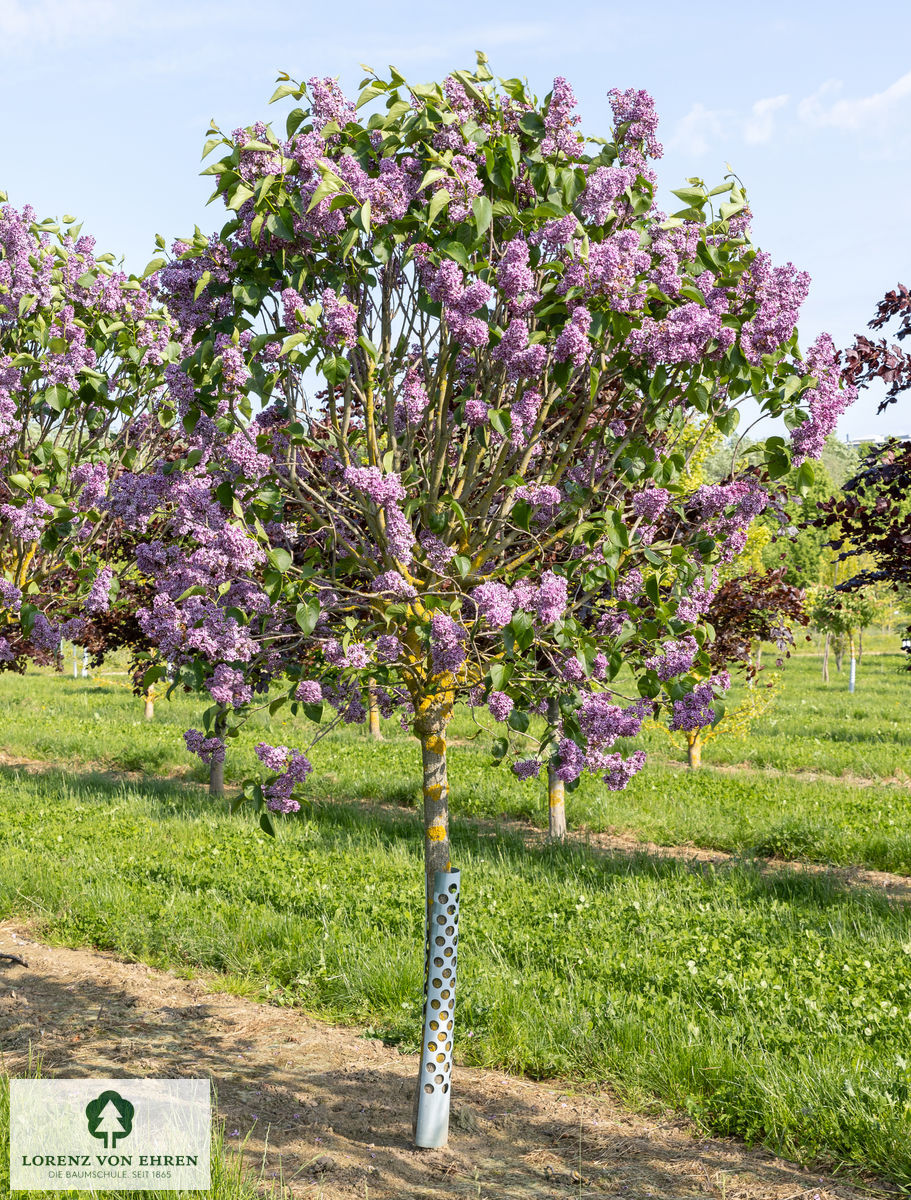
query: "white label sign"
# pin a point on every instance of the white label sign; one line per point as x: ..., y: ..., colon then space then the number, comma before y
x: 106, y: 1134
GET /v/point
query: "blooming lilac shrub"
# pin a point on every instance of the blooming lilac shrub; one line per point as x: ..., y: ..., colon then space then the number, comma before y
x: 84, y: 355
x: 488, y: 492
x: 484, y: 499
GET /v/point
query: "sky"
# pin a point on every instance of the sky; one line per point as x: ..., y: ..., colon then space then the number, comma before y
x: 106, y: 105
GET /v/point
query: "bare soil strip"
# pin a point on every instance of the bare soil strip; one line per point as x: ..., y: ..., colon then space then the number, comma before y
x: 327, y: 1111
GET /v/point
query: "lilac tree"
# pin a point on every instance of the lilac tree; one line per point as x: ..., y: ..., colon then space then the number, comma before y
x: 83, y: 354
x: 444, y: 356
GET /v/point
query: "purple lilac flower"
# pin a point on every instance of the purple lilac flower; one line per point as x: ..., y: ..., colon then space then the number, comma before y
x: 527, y: 768
x: 500, y: 705
x: 651, y: 503
x: 551, y: 598
x: 437, y: 553
x: 295, y: 769
x: 602, y: 722
x: 45, y: 635
x: 447, y: 643
x: 308, y: 691
x: 98, y: 599
x: 572, y: 760
x: 514, y: 276
x: 92, y: 478
x: 388, y: 648
x: 676, y: 658
x: 495, y: 603
x: 560, y: 121
x: 602, y: 188
x: 414, y: 396
x: 10, y: 595
x: 476, y: 411
x: 340, y: 319
x: 395, y: 582
x: 6, y: 651
x: 826, y: 402
x: 380, y: 488
x: 228, y: 686
x: 209, y: 749
x: 619, y: 771
x: 573, y: 342
x: 630, y: 586
x: 27, y: 521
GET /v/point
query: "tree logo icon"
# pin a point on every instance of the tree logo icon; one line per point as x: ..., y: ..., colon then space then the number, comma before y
x: 109, y: 1116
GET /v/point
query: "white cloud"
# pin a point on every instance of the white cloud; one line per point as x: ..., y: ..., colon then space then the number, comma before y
x: 759, y: 127
x: 865, y: 112
x: 35, y: 24
x: 699, y: 129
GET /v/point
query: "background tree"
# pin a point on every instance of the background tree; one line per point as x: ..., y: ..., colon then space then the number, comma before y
x: 83, y: 356
x: 843, y: 614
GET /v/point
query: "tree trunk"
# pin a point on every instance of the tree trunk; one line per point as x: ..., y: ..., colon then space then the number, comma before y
x: 556, y: 791
x: 839, y: 652
x: 217, y: 767
x: 825, y: 659
x: 150, y: 704
x: 373, y: 714
x: 853, y: 675
x: 694, y: 749
x: 860, y: 645
x: 432, y: 1095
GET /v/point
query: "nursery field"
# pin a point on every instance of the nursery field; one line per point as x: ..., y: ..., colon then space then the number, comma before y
x: 769, y: 1004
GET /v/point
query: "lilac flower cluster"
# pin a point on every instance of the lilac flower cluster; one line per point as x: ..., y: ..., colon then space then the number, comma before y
x: 28, y: 520
x: 551, y: 598
x: 292, y: 767
x: 437, y: 553
x: 229, y: 687
x: 495, y: 603
x: 602, y: 721
x: 414, y: 396
x: 676, y: 658
x: 826, y: 401
x: 395, y: 582
x: 635, y: 109
x: 560, y: 122
x: 92, y: 478
x: 339, y: 318
x: 10, y: 596
x: 602, y: 187
x: 651, y: 503
x: 98, y: 599
x: 447, y: 644
x: 573, y: 342
x: 778, y: 293
x: 209, y: 749
x: 308, y: 691
x: 500, y: 705
x: 460, y: 301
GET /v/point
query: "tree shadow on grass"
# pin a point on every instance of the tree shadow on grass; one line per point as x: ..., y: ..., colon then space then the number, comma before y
x: 340, y: 821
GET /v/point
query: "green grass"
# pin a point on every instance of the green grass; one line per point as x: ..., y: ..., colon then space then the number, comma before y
x: 813, y: 728
x: 773, y: 1006
x: 230, y: 1179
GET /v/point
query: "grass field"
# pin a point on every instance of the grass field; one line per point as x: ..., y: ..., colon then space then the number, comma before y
x: 862, y: 817
x: 769, y: 1004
